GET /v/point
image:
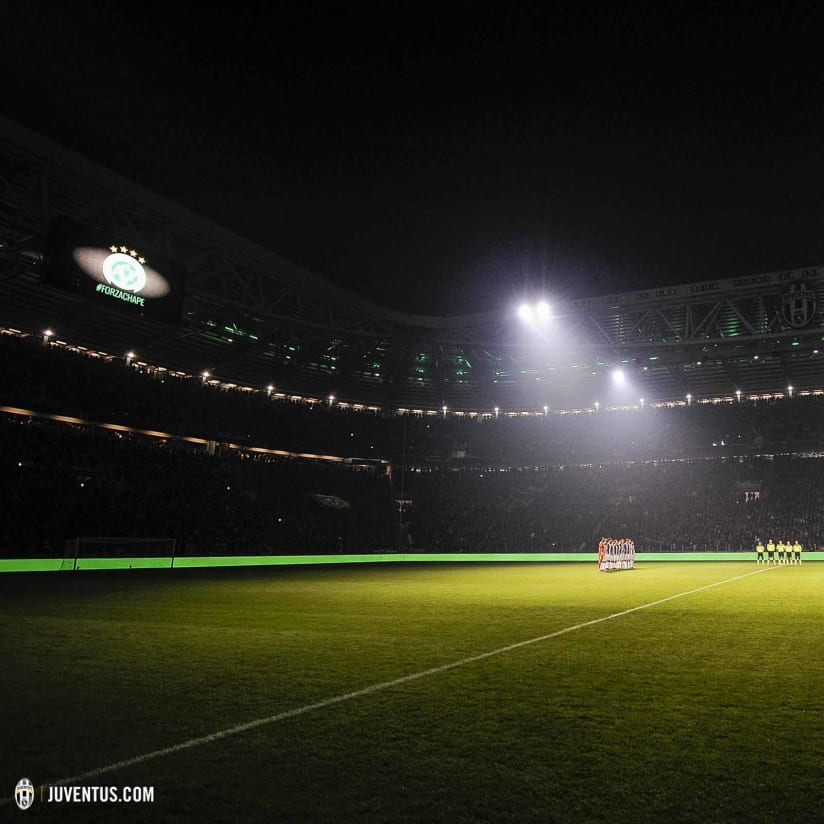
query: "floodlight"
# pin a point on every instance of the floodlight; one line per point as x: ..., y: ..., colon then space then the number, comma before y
x: 618, y: 377
x: 543, y: 311
x: 525, y: 313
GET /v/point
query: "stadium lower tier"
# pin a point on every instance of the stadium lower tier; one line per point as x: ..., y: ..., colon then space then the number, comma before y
x: 61, y: 482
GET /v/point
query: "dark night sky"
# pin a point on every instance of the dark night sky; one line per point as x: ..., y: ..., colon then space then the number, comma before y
x: 440, y: 159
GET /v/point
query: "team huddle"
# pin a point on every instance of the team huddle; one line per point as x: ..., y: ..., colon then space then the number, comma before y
x: 616, y: 553
x: 780, y: 553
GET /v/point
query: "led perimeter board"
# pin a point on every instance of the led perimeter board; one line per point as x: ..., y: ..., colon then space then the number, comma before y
x: 108, y: 269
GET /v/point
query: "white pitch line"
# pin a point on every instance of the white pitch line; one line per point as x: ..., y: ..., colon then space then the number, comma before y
x: 383, y: 685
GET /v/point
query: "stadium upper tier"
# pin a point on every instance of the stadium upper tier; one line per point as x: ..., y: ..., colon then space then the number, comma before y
x: 249, y: 317
x: 53, y: 381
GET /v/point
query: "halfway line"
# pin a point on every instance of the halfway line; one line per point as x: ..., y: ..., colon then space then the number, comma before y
x: 383, y: 685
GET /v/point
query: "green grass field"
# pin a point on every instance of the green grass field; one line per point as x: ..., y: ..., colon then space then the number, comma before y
x: 706, y: 707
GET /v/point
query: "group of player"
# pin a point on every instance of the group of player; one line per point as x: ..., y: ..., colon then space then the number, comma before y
x: 616, y: 553
x: 778, y: 553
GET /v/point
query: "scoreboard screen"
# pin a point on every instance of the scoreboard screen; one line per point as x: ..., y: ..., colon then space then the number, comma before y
x: 112, y: 271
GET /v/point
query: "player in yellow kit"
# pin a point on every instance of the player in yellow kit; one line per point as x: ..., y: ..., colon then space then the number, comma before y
x: 770, y: 551
x: 797, y: 552
x: 759, y: 552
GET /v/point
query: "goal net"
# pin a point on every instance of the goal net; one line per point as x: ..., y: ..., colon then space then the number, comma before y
x: 141, y: 551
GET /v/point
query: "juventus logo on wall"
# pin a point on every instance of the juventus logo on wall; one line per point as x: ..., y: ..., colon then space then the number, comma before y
x: 798, y: 305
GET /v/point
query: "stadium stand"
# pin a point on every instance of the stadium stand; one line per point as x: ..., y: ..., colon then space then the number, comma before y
x: 269, y: 385
x: 709, y: 476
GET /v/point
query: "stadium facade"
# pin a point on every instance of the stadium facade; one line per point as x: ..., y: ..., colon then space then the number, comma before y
x: 250, y: 318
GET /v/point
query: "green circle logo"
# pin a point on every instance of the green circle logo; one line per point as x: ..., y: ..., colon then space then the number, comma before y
x: 124, y: 272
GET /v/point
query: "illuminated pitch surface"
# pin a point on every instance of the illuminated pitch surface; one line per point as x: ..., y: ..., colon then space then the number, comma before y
x: 706, y: 707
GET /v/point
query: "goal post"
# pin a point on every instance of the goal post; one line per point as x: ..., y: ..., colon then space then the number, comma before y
x: 102, y: 552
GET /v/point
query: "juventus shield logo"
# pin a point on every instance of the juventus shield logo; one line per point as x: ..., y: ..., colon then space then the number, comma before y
x: 798, y: 305
x: 24, y: 794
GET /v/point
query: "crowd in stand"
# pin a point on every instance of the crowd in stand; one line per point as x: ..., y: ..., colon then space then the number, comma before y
x: 714, y: 477
x: 63, y: 481
x: 678, y: 505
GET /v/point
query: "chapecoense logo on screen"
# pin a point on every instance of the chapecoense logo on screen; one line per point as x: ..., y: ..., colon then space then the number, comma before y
x: 124, y: 270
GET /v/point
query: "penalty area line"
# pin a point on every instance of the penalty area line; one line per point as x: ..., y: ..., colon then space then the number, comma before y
x: 379, y: 687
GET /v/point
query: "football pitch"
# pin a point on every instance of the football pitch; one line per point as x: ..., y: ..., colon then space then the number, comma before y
x: 674, y: 692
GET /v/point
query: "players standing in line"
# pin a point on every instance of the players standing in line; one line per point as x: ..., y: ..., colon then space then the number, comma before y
x: 759, y: 552
x: 797, y: 552
x: 770, y: 551
x: 616, y: 553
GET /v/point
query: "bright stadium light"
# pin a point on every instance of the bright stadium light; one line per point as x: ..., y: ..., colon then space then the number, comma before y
x: 597, y: 406
x: 738, y: 395
x: 497, y: 411
x: 791, y: 389
x: 642, y: 403
x: 689, y: 399
x: 530, y: 313
x: 619, y: 378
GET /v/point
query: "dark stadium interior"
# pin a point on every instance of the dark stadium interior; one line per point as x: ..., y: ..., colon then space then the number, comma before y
x: 644, y: 413
x: 412, y: 412
x: 505, y: 436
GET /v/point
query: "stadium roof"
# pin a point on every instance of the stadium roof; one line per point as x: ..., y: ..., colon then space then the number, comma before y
x: 252, y: 318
